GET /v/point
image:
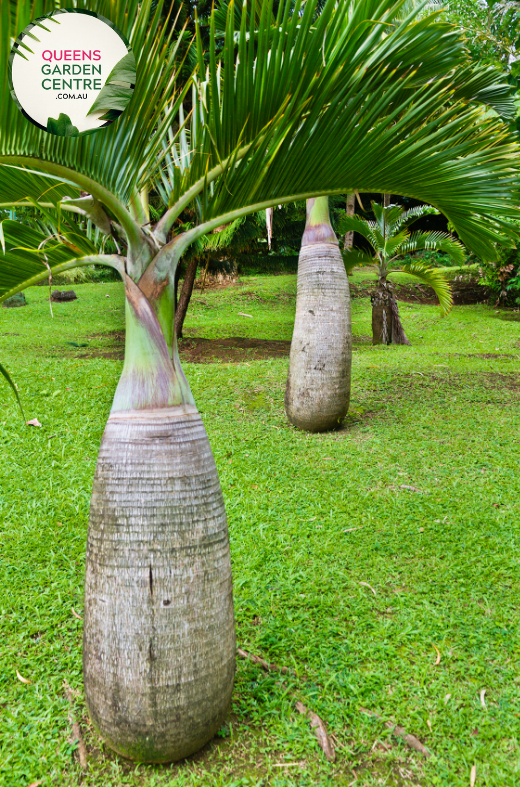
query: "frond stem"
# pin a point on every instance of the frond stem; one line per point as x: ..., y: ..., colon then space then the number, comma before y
x: 132, y: 229
x: 112, y: 260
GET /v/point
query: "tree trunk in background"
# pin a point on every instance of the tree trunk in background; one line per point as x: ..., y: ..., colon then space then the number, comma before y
x: 318, y: 384
x: 159, y: 639
x: 351, y: 209
x: 386, y: 322
x: 186, y: 292
x: 386, y: 200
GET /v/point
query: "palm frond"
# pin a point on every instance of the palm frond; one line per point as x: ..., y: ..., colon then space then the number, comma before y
x: 413, y: 214
x: 17, y: 185
x: 354, y: 258
x: 394, y: 243
x: 435, y: 241
x: 28, y: 252
x: 256, y: 149
x: 434, y: 278
x: 5, y: 373
x: 367, y: 229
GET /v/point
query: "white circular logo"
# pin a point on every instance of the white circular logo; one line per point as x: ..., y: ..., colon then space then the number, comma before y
x: 71, y: 72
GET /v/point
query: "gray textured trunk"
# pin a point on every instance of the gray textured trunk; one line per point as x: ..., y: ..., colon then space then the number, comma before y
x: 159, y: 640
x: 318, y: 384
x: 386, y: 322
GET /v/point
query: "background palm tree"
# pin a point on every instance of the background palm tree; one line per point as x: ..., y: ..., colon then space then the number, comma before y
x: 390, y: 239
x: 318, y: 383
x: 317, y: 391
x: 159, y: 643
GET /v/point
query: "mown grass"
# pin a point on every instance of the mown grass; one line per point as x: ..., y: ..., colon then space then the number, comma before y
x: 443, y: 561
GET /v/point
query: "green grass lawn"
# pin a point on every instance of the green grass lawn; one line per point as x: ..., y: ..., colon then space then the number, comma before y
x: 417, y: 497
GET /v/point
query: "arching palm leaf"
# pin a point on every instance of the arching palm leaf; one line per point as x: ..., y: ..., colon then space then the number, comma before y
x: 434, y: 279
x: 5, y: 373
x: 435, y: 241
x: 413, y: 214
x: 29, y: 251
x: 354, y: 258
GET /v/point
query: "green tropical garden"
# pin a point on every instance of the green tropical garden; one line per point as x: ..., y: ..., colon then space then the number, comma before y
x: 259, y: 478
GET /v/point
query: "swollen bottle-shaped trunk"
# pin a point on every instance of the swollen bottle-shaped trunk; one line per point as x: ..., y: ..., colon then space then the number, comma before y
x: 318, y: 385
x: 159, y: 639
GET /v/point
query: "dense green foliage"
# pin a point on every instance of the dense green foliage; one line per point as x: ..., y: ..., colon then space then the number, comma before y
x: 440, y: 416
x: 503, y: 277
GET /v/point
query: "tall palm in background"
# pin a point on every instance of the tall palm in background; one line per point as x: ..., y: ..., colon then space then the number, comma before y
x: 158, y: 627
x: 389, y: 238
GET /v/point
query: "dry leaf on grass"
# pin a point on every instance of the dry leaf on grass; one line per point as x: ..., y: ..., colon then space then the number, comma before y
x: 351, y: 529
x: 438, y: 659
x: 34, y: 422
x: 264, y: 664
x: 473, y: 776
x: 241, y: 314
x: 76, y: 614
x: 365, y: 584
x: 76, y: 730
x: 411, y: 488
x: 320, y: 731
x: 482, y: 700
x: 22, y: 679
x: 35, y: 784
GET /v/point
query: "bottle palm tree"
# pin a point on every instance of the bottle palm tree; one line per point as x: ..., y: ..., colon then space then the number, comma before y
x: 317, y: 392
x: 159, y: 641
x: 389, y: 238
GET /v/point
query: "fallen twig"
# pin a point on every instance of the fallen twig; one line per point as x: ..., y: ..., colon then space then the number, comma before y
x: 76, y: 731
x: 369, y: 586
x: 411, y: 740
x: 320, y: 731
x: 264, y: 664
x: 411, y: 488
x: 316, y: 723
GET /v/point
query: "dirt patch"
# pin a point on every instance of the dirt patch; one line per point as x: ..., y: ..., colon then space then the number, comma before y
x: 457, y: 381
x: 463, y: 293
x: 232, y: 350
x: 220, y: 281
x: 195, y: 349
x: 490, y: 355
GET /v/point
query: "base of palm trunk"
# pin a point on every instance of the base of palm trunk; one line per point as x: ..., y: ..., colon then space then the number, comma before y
x: 318, y: 384
x: 159, y: 636
x: 386, y: 322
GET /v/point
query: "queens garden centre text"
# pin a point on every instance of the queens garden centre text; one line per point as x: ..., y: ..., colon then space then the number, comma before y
x: 72, y: 75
